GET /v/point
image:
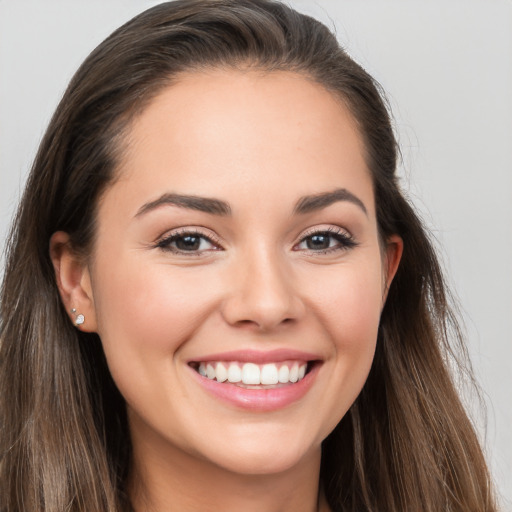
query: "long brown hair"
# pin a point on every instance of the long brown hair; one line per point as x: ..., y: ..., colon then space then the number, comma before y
x: 405, y: 445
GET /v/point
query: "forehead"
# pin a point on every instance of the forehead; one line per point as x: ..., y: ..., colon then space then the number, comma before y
x: 212, y: 131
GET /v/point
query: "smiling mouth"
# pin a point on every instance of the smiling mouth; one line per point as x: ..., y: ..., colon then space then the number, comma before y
x: 254, y: 376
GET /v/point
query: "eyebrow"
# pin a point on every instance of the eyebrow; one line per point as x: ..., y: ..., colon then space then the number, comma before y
x: 202, y: 204
x: 305, y: 204
x: 308, y: 204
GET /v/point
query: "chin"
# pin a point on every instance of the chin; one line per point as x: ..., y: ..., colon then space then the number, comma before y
x: 260, y: 464
x: 263, y: 457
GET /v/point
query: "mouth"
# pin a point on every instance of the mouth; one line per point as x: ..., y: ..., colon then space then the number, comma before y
x: 251, y: 375
x: 257, y: 381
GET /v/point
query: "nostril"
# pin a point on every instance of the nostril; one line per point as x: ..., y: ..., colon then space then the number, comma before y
x: 249, y: 324
x: 262, y: 325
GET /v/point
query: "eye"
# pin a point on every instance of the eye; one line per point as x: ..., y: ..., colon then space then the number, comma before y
x: 323, y: 241
x: 187, y: 241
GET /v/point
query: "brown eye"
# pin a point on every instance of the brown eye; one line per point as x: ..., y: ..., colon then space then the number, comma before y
x: 187, y: 242
x: 317, y: 242
x: 326, y: 241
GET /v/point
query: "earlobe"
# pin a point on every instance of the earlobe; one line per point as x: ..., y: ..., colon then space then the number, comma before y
x: 74, y: 282
x: 393, y: 255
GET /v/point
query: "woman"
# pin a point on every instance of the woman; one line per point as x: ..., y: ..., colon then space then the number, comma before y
x: 216, y: 296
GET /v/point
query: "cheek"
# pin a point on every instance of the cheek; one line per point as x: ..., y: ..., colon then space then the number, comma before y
x: 148, y: 310
x: 350, y: 305
x: 348, y: 310
x: 146, y: 313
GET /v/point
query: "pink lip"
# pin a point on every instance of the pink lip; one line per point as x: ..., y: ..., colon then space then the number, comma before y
x: 258, y: 400
x: 258, y: 357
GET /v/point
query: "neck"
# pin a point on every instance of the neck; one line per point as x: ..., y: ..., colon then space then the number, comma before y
x: 168, y: 479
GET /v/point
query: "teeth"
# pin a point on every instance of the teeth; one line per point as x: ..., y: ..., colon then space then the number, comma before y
x: 284, y: 374
x: 250, y: 373
x: 253, y: 374
x: 269, y: 374
x: 221, y: 372
x: 294, y: 373
x: 210, y: 371
x: 234, y: 373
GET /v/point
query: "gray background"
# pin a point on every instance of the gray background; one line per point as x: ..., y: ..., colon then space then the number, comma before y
x: 447, y: 68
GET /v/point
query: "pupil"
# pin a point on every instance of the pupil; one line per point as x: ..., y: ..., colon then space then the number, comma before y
x: 318, y: 242
x: 188, y: 243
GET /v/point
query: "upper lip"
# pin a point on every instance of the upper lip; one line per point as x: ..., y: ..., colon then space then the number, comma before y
x: 258, y: 357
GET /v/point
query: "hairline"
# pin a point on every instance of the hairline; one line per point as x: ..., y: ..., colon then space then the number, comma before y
x: 121, y: 128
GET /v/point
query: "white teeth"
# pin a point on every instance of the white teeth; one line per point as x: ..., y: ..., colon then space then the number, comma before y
x: 294, y: 373
x: 221, y: 372
x: 210, y: 371
x: 252, y: 374
x: 269, y: 374
x: 284, y: 374
x: 234, y: 373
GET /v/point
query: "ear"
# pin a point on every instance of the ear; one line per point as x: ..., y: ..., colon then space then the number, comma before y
x: 73, y: 280
x: 391, y: 260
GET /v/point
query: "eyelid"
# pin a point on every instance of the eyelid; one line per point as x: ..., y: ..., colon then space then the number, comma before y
x: 164, y: 240
x: 324, y: 228
x: 347, y: 239
x: 329, y: 229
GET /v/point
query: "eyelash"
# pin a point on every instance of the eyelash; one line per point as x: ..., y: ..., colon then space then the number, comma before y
x: 344, y: 241
x: 165, y: 243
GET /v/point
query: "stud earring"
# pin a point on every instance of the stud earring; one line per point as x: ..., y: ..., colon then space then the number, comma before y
x: 79, y: 319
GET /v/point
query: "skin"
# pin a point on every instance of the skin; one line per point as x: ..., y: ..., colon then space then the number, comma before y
x: 259, y: 142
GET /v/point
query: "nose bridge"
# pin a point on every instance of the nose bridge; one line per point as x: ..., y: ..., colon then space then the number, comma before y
x: 263, y: 293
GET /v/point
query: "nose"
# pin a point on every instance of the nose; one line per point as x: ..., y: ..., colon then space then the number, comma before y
x: 262, y: 294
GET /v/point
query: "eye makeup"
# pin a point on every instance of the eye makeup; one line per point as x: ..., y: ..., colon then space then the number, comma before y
x: 192, y: 241
x: 324, y: 241
x: 188, y: 241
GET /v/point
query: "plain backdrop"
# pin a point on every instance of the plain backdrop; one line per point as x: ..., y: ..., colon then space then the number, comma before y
x: 447, y: 68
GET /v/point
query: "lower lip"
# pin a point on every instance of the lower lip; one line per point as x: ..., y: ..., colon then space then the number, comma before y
x: 258, y: 399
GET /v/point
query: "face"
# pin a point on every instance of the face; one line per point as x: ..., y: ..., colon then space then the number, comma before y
x: 237, y: 278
